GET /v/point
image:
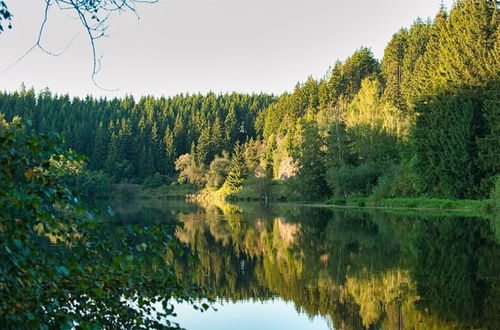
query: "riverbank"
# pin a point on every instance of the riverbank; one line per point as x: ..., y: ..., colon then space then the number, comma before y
x: 126, y: 191
x: 276, y: 193
x: 419, y: 203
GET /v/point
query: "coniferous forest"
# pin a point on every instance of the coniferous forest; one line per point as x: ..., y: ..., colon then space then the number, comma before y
x: 419, y: 125
x: 422, y: 121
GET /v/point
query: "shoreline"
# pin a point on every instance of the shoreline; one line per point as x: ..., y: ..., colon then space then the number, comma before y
x: 362, y: 203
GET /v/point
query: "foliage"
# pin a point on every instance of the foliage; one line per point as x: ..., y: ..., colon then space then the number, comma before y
x: 58, y: 266
x: 445, y: 134
x: 133, y: 139
x: 492, y: 205
x: 310, y: 182
x: 429, y: 203
x: 156, y: 181
x: 263, y: 189
x: 189, y: 171
x: 216, y: 175
x: 488, y: 155
x: 348, y: 179
x: 5, y: 15
x: 174, y: 190
x: 237, y: 171
x: 385, y: 186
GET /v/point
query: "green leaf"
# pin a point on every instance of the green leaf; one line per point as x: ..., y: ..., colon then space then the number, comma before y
x: 110, y: 211
x: 62, y: 270
x: 18, y: 243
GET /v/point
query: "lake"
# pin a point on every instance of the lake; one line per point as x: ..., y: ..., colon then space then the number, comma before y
x: 299, y: 267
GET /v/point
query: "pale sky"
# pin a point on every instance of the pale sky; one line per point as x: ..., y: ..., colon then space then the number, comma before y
x: 181, y: 46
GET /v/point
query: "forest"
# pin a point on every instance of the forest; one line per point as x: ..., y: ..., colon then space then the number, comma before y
x: 422, y: 121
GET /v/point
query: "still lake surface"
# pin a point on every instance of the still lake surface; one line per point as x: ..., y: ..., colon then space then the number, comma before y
x: 298, y: 267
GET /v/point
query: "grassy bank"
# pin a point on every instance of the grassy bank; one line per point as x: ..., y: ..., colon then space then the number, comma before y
x: 174, y: 190
x: 277, y: 192
x: 252, y: 190
x: 127, y: 191
x: 412, y: 203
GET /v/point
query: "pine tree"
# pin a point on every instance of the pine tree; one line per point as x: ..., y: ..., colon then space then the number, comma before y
x: 311, y: 181
x: 488, y: 144
x: 417, y: 39
x: 203, y: 148
x: 98, y: 156
x: 170, y: 152
x: 216, y: 139
x: 444, y: 136
x: 237, y: 172
x: 392, y: 69
x: 231, y: 128
x: 427, y: 74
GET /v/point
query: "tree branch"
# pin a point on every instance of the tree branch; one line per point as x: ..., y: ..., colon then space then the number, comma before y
x: 93, y: 15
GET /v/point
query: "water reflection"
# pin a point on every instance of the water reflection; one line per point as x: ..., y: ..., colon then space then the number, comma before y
x: 355, y: 269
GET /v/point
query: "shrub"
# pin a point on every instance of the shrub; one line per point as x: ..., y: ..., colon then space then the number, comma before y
x: 349, y: 180
x: 156, y: 181
x: 59, y: 268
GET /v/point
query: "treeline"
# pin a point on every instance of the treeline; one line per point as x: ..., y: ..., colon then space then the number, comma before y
x: 425, y: 121
x: 132, y: 140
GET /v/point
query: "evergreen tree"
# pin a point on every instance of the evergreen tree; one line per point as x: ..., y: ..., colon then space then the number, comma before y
x: 488, y: 154
x: 203, y: 148
x: 231, y: 128
x: 416, y: 45
x: 98, y: 156
x: 392, y: 69
x: 445, y: 146
x: 311, y: 181
x: 216, y: 139
x: 237, y: 171
x: 170, y: 152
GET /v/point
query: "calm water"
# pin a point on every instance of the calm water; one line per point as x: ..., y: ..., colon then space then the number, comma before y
x: 290, y: 267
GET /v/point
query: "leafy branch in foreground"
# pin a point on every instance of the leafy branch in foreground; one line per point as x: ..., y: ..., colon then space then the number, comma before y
x: 61, y: 267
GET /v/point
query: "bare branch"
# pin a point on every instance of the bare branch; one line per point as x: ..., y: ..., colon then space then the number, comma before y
x: 38, y: 43
x: 94, y: 16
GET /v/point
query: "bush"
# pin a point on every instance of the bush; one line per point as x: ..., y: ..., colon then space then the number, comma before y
x: 350, y: 180
x: 495, y: 193
x: 337, y: 201
x: 125, y: 191
x: 217, y: 172
x: 386, y: 184
x: 94, y: 185
x: 492, y: 205
x: 156, y: 181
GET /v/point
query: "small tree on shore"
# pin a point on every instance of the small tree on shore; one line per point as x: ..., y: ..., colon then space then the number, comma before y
x: 238, y: 171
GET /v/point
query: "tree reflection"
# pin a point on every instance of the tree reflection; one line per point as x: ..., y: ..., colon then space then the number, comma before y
x: 456, y: 269
x: 357, y: 269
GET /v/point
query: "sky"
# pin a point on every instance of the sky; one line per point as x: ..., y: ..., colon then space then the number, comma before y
x: 272, y: 314
x: 190, y: 46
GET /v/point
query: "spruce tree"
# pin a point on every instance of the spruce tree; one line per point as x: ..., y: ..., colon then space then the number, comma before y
x: 169, y: 149
x: 445, y: 135
x: 311, y: 180
x: 392, y: 69
x: 237, y: 172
